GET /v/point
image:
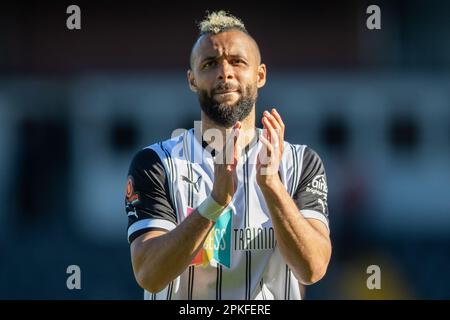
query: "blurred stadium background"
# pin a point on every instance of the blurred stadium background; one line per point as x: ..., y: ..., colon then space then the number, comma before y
x: 76, y: 105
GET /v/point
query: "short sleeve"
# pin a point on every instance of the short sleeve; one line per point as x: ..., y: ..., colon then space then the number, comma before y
x: 147, y: 198
x: 311, y: 196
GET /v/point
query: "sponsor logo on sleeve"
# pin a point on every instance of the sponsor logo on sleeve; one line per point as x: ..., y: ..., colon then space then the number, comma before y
x: 131, y: 197
x: 318, y: 186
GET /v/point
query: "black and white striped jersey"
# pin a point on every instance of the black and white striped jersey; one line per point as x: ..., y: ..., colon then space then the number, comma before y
x: 240, y: 258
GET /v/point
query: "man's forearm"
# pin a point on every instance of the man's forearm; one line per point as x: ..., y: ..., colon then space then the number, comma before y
x: 163, y: 258
x: 306, y: 250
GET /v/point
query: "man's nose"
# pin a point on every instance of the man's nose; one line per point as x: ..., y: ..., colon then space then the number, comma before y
x: 225, y: 71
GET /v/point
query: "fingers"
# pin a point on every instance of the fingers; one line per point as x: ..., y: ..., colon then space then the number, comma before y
x: 232, y: 150
x: 272, y: 134
x: 268, y: 145
x: 264, y: 160
x: 264, y: 155
x: 275, y: 126
x: 237, y: 150
x: 277, y: 116
x: 236, y: 146
x: 273, y: 121
x: 276, y: 121
x: 237, y: 131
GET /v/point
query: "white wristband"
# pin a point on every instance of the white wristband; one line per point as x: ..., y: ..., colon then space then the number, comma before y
x: 210, y: 209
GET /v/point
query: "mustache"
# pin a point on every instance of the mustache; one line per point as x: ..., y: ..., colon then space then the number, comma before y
x: 225, y: 87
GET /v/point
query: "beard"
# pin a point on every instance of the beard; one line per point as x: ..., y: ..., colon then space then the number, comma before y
x: 227, y: 115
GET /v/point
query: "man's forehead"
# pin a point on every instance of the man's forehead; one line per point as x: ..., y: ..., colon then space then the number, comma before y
x: 233, y: 42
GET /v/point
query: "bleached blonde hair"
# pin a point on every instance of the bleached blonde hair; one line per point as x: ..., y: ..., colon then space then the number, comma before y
x: 220, y: 21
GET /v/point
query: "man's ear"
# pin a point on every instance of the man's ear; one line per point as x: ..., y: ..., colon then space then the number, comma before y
x: 261, y: 75
x: 191, y: 80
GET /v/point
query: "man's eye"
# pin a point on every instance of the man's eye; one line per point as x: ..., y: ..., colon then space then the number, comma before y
x: 237, y: 61
x: 209, y: 64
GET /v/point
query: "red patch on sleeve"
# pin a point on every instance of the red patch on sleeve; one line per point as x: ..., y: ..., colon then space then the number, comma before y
x: 131, y: 196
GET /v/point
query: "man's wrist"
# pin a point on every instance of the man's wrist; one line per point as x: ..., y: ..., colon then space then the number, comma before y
x: 270, y: 184
x: 210, y: 209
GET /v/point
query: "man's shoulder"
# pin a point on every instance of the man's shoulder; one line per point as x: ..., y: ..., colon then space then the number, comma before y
x: 168, y: 144
x: 145, y: 156
x: 303, y: 150
x: 157, y: 151
x: 302, y: 154
x: 294, y: 149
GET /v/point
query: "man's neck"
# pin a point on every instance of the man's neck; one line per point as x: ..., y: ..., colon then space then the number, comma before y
x: 247, y: 131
